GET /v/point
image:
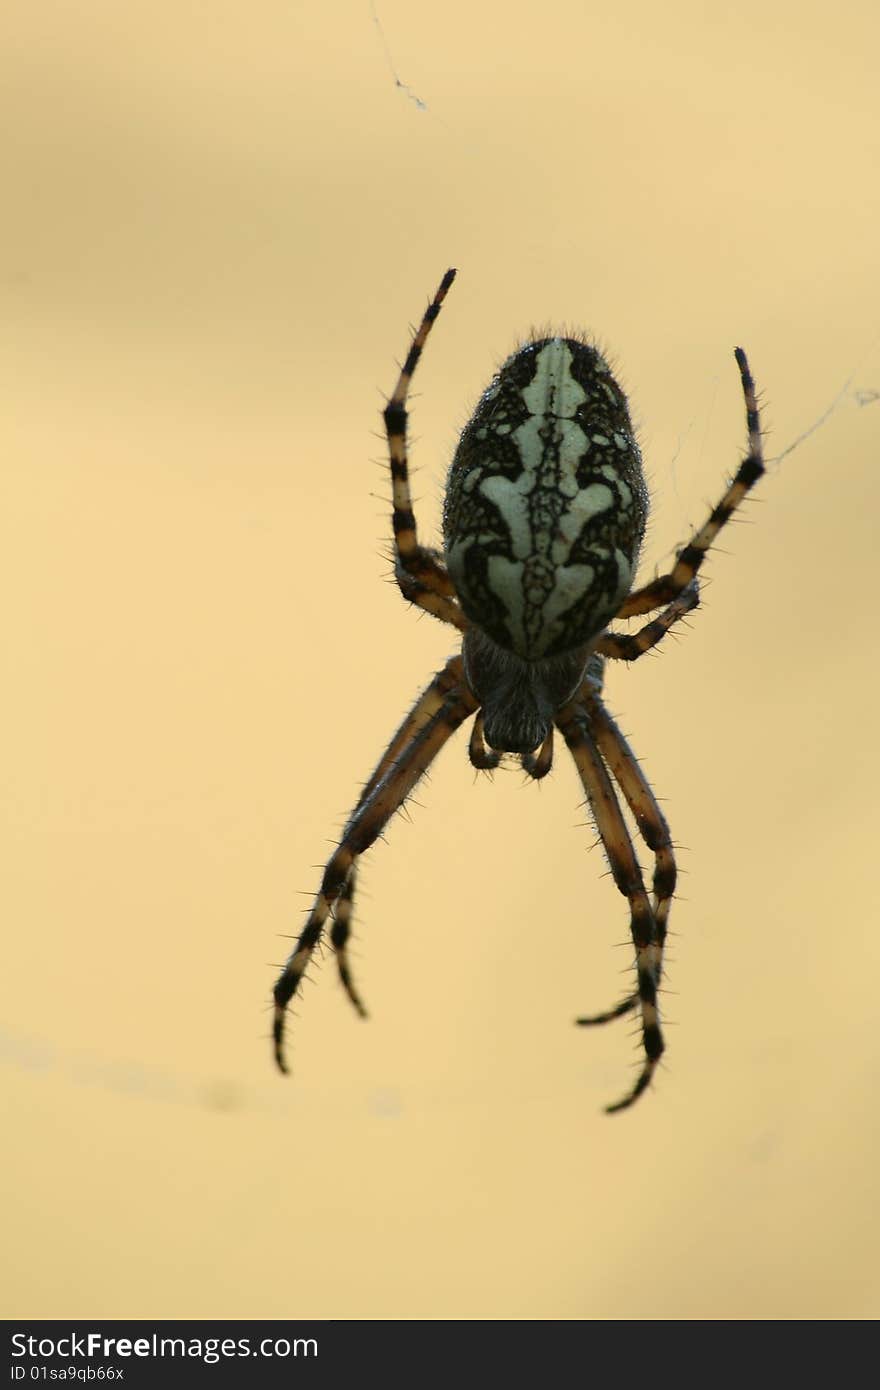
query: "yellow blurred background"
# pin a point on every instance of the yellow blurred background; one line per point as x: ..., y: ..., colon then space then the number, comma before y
x: 220, y: 221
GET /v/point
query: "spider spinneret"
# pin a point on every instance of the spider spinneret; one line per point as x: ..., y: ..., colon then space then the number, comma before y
x: 544, y: 516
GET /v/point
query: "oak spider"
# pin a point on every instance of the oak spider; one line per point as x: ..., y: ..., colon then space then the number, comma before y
x: 544, y: 514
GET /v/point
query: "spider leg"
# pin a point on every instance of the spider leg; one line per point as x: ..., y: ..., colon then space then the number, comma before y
x: 622, y: 646
x: 339, y: 934
x: 367, y: 822
x: 688, y: 561
x: 423, y: 595
x: 421, y: 574
x: 425, y: 707
x: 575, y: 724
x: 653, y: 829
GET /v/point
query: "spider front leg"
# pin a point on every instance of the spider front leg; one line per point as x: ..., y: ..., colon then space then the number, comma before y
x: 668, y: 586
x: 425, y: 707
x: 653, y: 829
x: 575, y: 724
x: 421, y: 575
x: 367, y: 822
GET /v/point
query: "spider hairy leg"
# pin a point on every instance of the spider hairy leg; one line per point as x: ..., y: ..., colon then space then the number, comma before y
x: 653, y: 829
x: 339, y: 937
x: 424, y: 596
x: 574, y: 723
x: 621, y: 646
x: 421, y: 575
x: 425, y: 707
x: 691, y: 557
x: 366, y: 824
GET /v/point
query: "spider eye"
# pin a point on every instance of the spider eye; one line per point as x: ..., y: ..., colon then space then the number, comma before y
x: 514, y: 728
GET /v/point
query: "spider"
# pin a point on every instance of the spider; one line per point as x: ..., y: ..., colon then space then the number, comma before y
x: 544, y: 515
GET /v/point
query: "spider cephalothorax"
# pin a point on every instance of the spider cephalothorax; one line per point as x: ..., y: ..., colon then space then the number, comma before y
x: 544, y: 516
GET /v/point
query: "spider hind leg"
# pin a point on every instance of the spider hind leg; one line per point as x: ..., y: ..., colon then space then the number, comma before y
x: 689, y: 560
x: 620, y: 646
x: 421, y: 575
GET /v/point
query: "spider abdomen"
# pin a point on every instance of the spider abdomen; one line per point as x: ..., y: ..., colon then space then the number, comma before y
x: 546, y: 504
